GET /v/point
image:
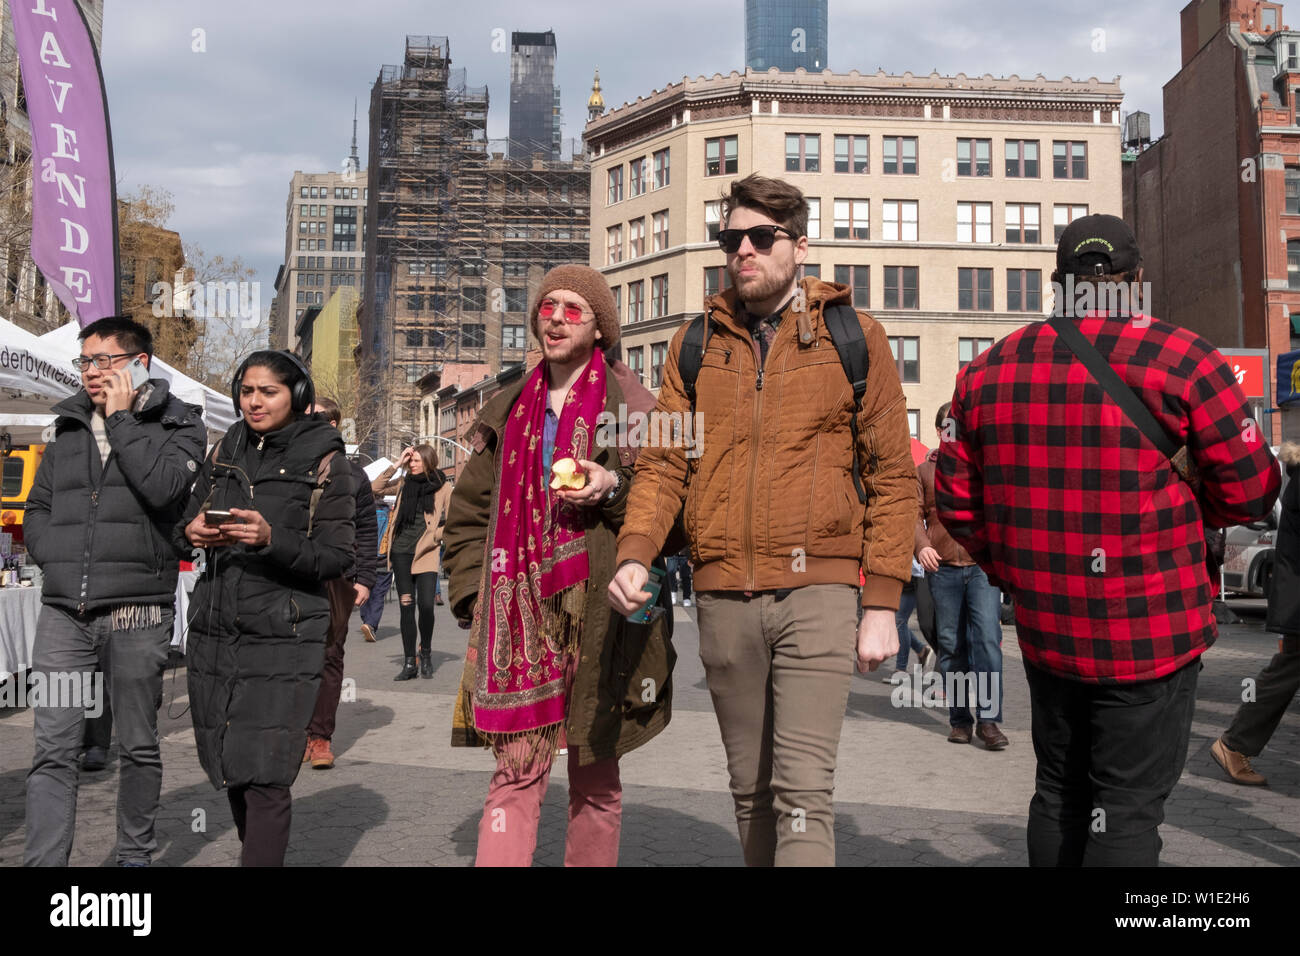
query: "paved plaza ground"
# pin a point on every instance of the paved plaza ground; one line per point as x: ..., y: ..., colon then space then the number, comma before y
x: 400, y: 795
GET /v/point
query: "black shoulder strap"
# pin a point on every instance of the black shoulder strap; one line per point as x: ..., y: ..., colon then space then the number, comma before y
x: 691, y: 357
x: 1113, y: 385
x: 846, y: 332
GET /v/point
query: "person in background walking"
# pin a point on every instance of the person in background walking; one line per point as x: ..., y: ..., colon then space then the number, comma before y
x: 679, y: 576
x: 412, y: 543
x: 1275, y: 687
x: 925, y: 656
x: 345, y: 593
x: 373, y: 610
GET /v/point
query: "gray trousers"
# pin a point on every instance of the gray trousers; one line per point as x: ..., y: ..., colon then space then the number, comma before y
x: 1274, y: 690
x: 68, y: 646
x: 779, y: 673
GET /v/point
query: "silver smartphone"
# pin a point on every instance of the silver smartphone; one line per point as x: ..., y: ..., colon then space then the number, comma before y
x: 139, y: 374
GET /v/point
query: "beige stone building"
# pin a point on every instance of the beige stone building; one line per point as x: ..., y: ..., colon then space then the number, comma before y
x: 937, y: 198
x: 325, y: 218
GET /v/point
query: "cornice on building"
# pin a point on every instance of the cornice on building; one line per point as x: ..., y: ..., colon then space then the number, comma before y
x: 739, y: 94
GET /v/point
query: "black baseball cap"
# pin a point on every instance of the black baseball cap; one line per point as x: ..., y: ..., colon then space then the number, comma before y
x: 1097, y: 245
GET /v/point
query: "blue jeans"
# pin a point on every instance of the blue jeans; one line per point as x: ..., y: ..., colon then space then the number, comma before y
x: 906, y: 639
x: 373, y: 609
x: 970, y: 642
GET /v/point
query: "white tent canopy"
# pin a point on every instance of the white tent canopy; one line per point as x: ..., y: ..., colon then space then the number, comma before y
x: 218, y: 411
x: 33, y: 376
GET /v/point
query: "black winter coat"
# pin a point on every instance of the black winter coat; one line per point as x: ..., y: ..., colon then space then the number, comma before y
x: 1284, y: 592
x: 259, y: 616
x: 101, y: 532
x: 367, y: 531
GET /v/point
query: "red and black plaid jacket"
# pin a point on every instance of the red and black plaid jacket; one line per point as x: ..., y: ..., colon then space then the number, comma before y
x: 1063, y: 501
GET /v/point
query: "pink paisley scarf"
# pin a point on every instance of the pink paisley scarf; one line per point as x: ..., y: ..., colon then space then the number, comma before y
x: 538, y: 568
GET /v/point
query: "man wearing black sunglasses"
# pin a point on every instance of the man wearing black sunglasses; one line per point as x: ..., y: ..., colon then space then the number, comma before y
x: 98, y: 521
x: 777, y: 528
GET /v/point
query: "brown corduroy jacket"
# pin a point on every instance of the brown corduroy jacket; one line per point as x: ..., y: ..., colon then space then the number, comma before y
x: 769, y: 500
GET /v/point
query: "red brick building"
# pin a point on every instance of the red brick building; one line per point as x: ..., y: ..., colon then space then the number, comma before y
x: 1215, y: 202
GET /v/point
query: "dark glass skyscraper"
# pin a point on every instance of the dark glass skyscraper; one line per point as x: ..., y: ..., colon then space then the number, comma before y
x: 786, y: 34
x: 534, y: 97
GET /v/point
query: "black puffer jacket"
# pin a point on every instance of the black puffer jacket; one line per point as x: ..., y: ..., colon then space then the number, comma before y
x: 259, y: 616
x: 101, y: 532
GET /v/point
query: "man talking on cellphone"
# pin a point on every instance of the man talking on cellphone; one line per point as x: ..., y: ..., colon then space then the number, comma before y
x: 108, y: 490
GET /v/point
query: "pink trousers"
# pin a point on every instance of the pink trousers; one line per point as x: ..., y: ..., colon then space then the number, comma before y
x: 507, y: 834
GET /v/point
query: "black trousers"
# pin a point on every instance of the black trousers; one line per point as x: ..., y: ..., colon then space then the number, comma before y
x: 1275, y: 688
x: 262, y: 818
x: 1108, y: 757
x: 424, y: 587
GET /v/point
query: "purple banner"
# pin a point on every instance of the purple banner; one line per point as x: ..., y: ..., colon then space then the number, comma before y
x: 74, y: 196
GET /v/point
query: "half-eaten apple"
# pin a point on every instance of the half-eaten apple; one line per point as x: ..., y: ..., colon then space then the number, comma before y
x: 567, y: 473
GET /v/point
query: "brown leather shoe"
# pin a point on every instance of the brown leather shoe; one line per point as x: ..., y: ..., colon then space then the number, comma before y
x: 319, y: 750
x: 369, y: 634
x: 959, y: 735
x: 992, y: 738
x: 1235, y: 765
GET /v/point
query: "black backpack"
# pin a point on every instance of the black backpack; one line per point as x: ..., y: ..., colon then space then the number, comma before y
x: 850, y: 343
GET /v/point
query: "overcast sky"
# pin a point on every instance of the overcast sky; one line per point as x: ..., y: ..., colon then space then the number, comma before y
x: 223, y: 130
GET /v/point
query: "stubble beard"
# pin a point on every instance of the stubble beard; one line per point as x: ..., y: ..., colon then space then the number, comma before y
x: 762, y: 286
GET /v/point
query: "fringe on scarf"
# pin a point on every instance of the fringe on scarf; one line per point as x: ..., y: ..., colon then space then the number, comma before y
x: 129, y: 617
x: 562, y: 619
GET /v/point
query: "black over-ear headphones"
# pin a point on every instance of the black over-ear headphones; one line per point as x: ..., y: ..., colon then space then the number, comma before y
x: 302, y: 394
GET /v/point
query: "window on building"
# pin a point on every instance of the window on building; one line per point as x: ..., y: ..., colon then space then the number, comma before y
x: 614, y: 178
x: 474, y: 299
x: 852, y: 154
x: 516, y: 299
x: 914, y: 422
x: 720, y: 156
x: 1069, y: 160
x: 814, y: 217
x: 658, y: 356
x: 812, y: 269
x: 857, y: 278
x: 907, y: 353
x: 1293, y: 264
x: 302, y: 262
x: 302, y: 296
x: 658, y: 296
x: 1293, y: 190
x: 1024, y: 290
x: 899, y: 155
x: 614, y: 245
x: 414, y: 338
x: 715, y: 280
x: 660, y: 228
x: 473, y: 336
x: 712, y: 219
x: 514, y: 270
x: 974, y: 157
x: 1022, y: 158
x: 635, y: 292
x: 635, y: 360
x: 661, y: 168
x: 969, y: 349
x: 900, y: 221
x: 902, y: 287
x: 1022, y: 222
x: 636, y: 238
x: 513, y: 337
x: 803, y: 152
x: 1062, y: 216
x: 617, y: 292
x: 302, y: 192
x: 302, y: 244
x: 636, y: 177
x: 974, y: 222
x: 975, y: 290
x: 852, y: 219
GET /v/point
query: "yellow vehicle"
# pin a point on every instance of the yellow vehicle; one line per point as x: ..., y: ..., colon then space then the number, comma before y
x: 19, y: 475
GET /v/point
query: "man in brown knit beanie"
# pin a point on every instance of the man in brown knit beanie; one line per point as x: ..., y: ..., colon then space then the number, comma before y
x: 529, y: 565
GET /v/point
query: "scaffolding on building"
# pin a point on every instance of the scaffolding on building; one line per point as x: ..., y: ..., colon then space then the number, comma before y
x: 459, y: 236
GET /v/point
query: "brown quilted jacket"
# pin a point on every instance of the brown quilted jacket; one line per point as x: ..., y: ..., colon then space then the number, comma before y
x: 769, y: 500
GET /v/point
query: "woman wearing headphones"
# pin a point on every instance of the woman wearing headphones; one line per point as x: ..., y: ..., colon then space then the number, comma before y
x: 413, y: 544
x: 270, y: 519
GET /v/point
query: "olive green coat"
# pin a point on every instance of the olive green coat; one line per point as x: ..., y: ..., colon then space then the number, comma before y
x: 622, y: 689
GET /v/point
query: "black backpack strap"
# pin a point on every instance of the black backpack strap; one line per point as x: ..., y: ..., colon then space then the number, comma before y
x: 691, y: 357
x: 846, y: 332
